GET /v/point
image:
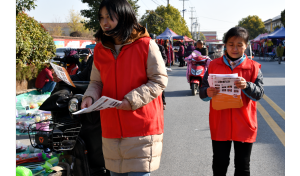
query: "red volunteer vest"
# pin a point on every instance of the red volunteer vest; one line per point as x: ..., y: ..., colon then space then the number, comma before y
x: 237, y: 124
x: 119, y: 77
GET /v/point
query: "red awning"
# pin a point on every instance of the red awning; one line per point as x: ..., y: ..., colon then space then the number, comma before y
x: 188, y: 39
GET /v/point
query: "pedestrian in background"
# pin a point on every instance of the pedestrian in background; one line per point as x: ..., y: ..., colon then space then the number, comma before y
x: 128, y: 66
x: 269, y: 45
x: 44, y: 81
x: 234, y: 125
x: 190, y: 48
x: 279, y: 51
x: 201, y: 48
x: 84, y: 61
x: 164, y: 56
x: 181, y: 55
x: 168, y: 53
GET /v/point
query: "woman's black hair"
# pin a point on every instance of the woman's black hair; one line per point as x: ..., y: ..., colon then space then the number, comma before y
x: 237, y: 32
x: 127, y: 21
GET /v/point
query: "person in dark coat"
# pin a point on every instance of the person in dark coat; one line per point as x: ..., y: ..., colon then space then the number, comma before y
x: 181, y: 55
x: 201, y: 48
x: 164, y: 56
x: 190, y: 48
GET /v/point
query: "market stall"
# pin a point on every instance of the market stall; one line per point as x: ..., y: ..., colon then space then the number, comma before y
x: 31, y: 160
x: 170, y: 35
x: 278, y: 34
x: 255, y: 43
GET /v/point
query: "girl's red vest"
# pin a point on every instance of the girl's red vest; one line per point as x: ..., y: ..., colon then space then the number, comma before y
x: 119, y: 77
x: 237, y: 124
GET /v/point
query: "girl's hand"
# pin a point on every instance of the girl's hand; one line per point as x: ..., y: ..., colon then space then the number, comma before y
x: 242, y: 84
x: 211, y: 91
x: 125, y: 105
x: 87, y: 102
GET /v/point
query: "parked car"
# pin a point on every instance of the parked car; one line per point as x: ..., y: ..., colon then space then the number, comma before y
x: 61, y: 51
x: 91, y: 46
x: 215, y: 50
x: 249, y: 51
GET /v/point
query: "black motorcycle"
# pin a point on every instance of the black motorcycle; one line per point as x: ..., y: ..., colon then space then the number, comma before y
x: 79, y: 137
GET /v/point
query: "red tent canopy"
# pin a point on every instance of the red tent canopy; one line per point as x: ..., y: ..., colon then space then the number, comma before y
x: 188, y: 39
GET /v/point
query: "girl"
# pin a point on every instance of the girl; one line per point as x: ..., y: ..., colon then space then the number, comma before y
x: 128, y: 67
x: 234, y: 125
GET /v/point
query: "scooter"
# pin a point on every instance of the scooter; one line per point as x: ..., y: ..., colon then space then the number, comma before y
x: 77, y: 136
x: 195, y: 72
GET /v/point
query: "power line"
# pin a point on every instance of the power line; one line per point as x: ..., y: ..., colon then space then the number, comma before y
x: 217, y: 19
x: 154, y: 2
x: 157, y: 2
x: 145, y: 4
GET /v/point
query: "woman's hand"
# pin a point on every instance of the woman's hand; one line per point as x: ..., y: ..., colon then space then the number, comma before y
x: 55, y: 78
x: 125, y: 105
x: 211, y: 91
x: 242, y: 84
x: 87, y: 102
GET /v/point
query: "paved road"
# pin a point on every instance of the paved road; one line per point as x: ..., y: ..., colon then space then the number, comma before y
x: 187, y: 149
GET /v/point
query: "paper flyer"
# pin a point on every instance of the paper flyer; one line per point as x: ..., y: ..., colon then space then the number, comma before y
x: 229, y: 95
x: 62, y: 74
x: 101, y: 104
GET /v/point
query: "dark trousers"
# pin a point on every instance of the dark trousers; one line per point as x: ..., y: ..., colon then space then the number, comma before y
x: 221, y: 152
x: 163, y: 98
x: 279, y: 60
x: 182, y: 62
x: 48, y: 87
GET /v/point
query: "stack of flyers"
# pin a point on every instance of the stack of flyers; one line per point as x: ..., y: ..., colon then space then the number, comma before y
x: 229, y: 95
x: 62, y: 74
x: 101, y: 104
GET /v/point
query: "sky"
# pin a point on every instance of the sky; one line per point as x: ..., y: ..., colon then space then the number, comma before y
x: 213, y: 15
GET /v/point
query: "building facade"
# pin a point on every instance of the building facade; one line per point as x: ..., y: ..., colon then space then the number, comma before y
x: 210, y: 35
x: 270, y: 24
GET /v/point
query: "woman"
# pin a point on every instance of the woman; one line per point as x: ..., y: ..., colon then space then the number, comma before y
x: 181, y: 55
x: 128, y: 67
x: 169, y: 51
x: 236, y: 124
x: 194, y: 54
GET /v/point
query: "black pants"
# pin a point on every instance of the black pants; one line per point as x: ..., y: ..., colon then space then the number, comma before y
x: 221, y: 152
x: 182, y: 62
x: 163, y: 98
x: 279, y: 60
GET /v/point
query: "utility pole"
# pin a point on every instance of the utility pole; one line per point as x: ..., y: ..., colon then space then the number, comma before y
x: 196, y: 27
x: 183, y: 7
x: 192, y: 19
x: 168, y: 2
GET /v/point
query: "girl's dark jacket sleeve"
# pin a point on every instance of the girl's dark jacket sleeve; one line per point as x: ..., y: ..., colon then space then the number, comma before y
x: 254, y: 91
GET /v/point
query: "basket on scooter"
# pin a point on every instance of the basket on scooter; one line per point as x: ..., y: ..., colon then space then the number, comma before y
x: 58, y: 136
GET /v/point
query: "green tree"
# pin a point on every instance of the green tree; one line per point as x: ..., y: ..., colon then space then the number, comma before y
x: 202, y: 37
x: 253, y: 24
x: 75, y: 22
x: 153, y: 21
x: 34, y: 46
x: 22, y: 5
x: 224, y: 36
x: 276, y: 27
x: 171, y: 18
x: 92, y: 22
x: 282, y: 19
